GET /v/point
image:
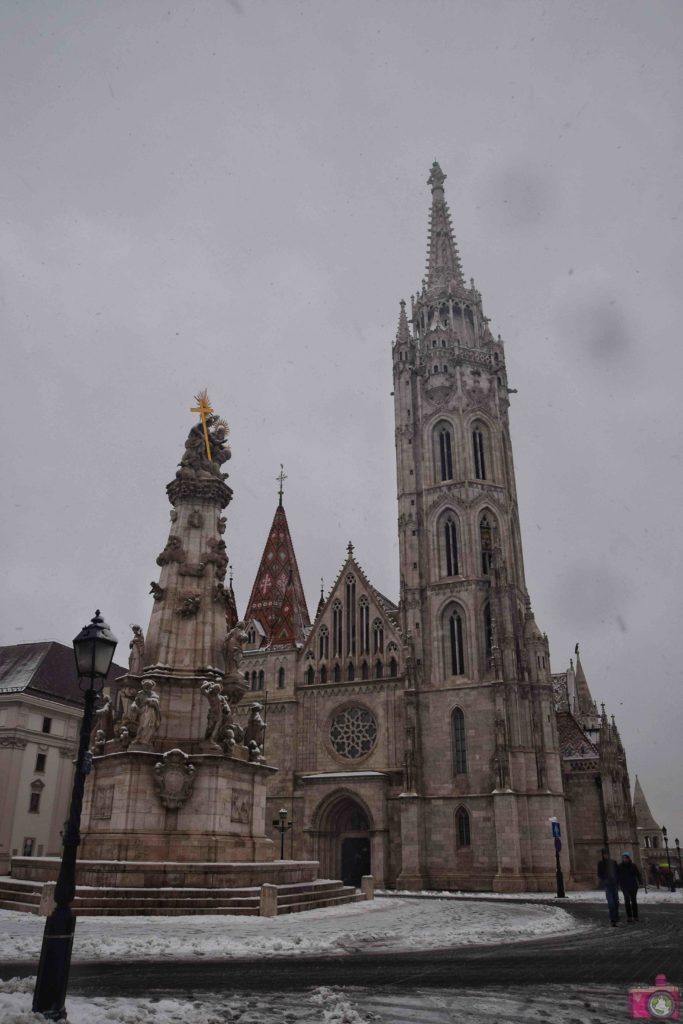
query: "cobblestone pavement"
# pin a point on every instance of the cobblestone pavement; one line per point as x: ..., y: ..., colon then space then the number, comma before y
x: 581, y: 978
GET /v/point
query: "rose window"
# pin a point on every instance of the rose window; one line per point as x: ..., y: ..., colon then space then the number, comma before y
x: 353, y: 732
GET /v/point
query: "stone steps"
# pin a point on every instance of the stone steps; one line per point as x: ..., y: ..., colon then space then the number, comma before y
x: 127, y: 902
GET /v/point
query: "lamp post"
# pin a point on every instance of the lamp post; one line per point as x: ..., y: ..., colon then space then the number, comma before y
x: 672, y: 887
x: 557, y: 840
x: 283, y: 826
x: 680, y: 866
x: 94, y: 650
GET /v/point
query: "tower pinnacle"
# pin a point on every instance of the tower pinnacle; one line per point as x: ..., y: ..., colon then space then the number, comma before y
x: 443, y: 261
x: 403, y: 332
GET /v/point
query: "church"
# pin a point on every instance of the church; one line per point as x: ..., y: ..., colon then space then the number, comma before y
x: 426, y: 740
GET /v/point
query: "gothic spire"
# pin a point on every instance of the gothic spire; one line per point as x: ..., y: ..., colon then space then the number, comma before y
x: 443, y: 259
x: 644, y: 816
x: 277, y: 598
x: 583, y: 695
x: 403, y: 331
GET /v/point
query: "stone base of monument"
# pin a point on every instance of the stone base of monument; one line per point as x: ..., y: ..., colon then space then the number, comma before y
x: 129, y: 889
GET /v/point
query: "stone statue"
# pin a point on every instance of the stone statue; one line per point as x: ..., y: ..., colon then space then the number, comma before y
x: 189, y: 606
x: 222, y: 523
x: 103, y: 720
x: 233, y: 649
x: 98, y: 745
x: 255, y: 731
x: 156, y: 591
x: 148, y: 713
x: 195, y: 518
x: 124, y: 738
x: 173, y: 552
x: 136, y: 658
x: 255, y: 756
x: 214, y: 720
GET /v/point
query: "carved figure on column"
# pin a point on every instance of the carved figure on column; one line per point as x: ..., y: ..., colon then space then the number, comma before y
x: 156, y: 591
x: 148, y: 714
x: 214, y: 720
x: 173, y: 552
x: 136, y: 658
x: 103, y: 720
x: 233, y: 649
x: 189, y: 606
x: 255, y: 731
x: 98, y: 745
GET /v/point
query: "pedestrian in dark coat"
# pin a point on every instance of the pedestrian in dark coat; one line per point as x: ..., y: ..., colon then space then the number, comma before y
x: 629, y: 879
x: 608, y: 880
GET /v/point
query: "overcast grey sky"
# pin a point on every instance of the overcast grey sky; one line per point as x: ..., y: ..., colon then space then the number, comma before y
x: 233, y: 194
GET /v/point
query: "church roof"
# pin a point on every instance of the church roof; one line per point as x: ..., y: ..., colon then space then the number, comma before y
x: 574, y: 744
x: 644, y: 817
x: 443, y: 260
x: 45, y: 669
x: 277, y: 597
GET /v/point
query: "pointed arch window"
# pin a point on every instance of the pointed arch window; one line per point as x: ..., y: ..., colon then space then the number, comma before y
x: 364, y: 607
x: 337, y: 629
x: 323, y: 674
x: 462, y: 828
x: 486, y: 542
x: 351, y: 614
x: 310, y: 676
x: 350, y: 674
x: 459, y: 742
x: 456, y: 648
x: 251, y: 636
x: 451, y: 546
x: 479, y: 450
x: 254, y: 680
x: 323, y: 643
x: 364, y: 670
x: 446, y: 453
x: 337, y: 673
x: 378, y: 637
x: 488, y: 634
x: 378, y: 669
x: 393, y: 668
x: 281, y: 679
x: 261, y: 679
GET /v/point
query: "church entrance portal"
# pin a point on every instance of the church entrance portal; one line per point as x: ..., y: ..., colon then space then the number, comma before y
x: 344, y: 841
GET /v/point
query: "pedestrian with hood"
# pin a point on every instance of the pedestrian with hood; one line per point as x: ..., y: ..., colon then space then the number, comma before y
x: 609, y: 881
x: 629, y: 880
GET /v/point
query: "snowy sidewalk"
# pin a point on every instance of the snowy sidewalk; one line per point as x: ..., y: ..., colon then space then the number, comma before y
x: 589, y: 896
x: 382, y: 925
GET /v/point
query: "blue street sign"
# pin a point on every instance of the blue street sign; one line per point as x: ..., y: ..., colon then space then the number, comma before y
x: 555, y: 825
x: 558, y: 845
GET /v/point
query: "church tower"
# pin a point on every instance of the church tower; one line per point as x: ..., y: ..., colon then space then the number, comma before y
x: 481, y: 728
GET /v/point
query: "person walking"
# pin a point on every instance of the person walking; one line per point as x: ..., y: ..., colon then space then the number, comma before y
x: 608, y: 880
x: 629, y: 880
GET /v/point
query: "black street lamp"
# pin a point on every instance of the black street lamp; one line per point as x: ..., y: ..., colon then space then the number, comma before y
x: 680, y: 866
x: 94, y: 650
x: 672, y: 887
x: 283, y: 826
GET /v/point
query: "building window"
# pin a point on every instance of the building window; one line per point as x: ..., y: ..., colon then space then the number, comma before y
x: 378, y: 637
x: 337, y: 673
x: 462, y: 828
x: 445, y: 454
x: 353, y: 732
x: 261, y: 679
x: 28, y: 847
x: 364, y: 670
x: 455, y: 637
x: 351, y: 615
x: 310, y: 676
x: 47, y: 725
x: 451, y: 547
x: 251, y: 636
x: 479, y: 452
x: 337, y: 629
x: 40, y: 762
x: 393, y: 668
x: 34, y: 803
x: 655, y: 842
x: 459, y: 742
x: 486, y: 541
x: 488, y: 633
x: 323, y: 643
x: 364, y: 625
x: 281, y: 679
x: 254, y: 680
x: 323, y: 674
x: 378, y: 669
x: 648, y: 841
x: 349, y: 672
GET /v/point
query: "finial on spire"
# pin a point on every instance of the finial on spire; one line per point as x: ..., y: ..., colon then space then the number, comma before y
x: 349, y: 549
x: 322, y: 588
x: 576, y: 650
x: 281, y: 478
x: 436, y: 177
x: 443, y: 262
x: 204, y: 409
x: 230, y: 581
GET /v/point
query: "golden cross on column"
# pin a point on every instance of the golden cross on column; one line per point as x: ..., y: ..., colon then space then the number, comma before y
x: 282, y: 479
x: 204, y: 409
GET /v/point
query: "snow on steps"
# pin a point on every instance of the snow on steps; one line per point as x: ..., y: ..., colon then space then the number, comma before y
x: 25, y: 896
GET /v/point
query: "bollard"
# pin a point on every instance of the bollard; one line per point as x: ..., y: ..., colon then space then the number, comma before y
x: 268, y: 902
x: 367, y: 887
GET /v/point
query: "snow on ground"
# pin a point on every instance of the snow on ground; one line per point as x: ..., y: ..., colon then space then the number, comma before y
x: 589, y: 896
x: 571, y: 1004
x: 377, y: 925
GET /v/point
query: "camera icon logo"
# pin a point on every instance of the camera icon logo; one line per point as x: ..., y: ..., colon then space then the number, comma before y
x: 661, y: 1002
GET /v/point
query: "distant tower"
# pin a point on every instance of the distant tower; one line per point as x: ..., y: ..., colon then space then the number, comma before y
x: 488, y: 771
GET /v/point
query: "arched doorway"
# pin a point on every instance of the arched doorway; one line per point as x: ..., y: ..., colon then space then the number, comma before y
x: 344, y: 847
